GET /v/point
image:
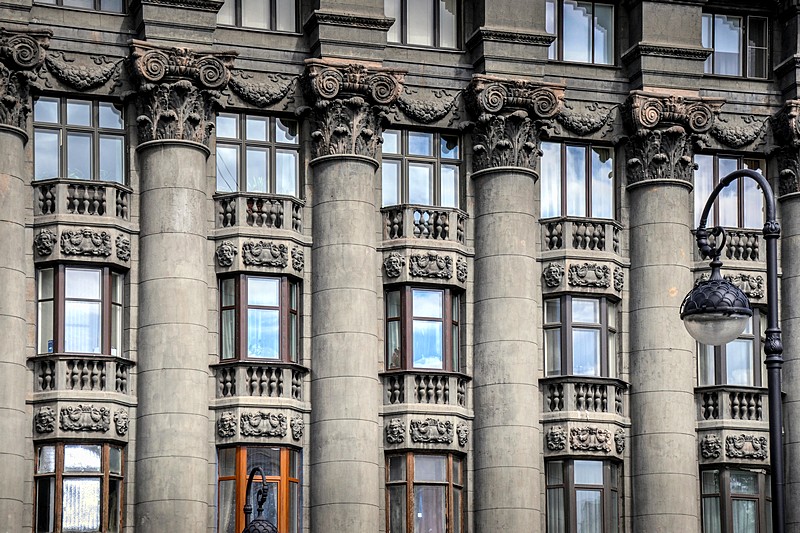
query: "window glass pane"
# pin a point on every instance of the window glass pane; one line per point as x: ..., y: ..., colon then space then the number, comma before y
x: 397, y: 468
x: 256, y: 128
x: 81, y: 504
x: 757, y: 47
x: 45, y: 505
x: 552, y: 351
x: 82, y: 458
x: 47, y: 460
x: 552, y: 311
x: 603, y: 34
x: 711, y: 516
x: 429, y: 509
x: 753, y: 199
x: 430, y: 468
x: 397, y: 508
x: 585, y: 352
x: 263, y: 338
x: 449, y: 193
x: 263, y: 291
x: 86, y: 4
x: 79, y: 156
x: 419, y: 14
x: 286, y: 131
x: 286, y: 172
x: 46, y: 154
x: 112, y: 151
x: 555, y: 511
x: 427, y: 303
x: 227, y: 290
x: 116, y: 330
x: 586, y: 310
x: 46, y: 327
x: 393, y: 304
x: 294, y: 507
x: 729, y: 196
x: 115, y: 460
x: 82, y: 327
x: 706, y: 365
x: 269, y: 459
x: 228, y: 126
x: 114, y: 486
x: 393, y: 350
x: 270, y: 512
x: 739, y: 362
x: 393, y: 9
x: 227, y: 168
x: 226, y: 515
x: 551, y: 180
x: 45, y: 283
x: 83, y: 283
x: 257, y: 169
x: 420, y: 143
x: 745, y: 516
x: 448, y: 147
x: 710, y: 481
x: 227, y: 15
x: 727, y: 45
x: 285, y: 15
x: 550, y: 27
x: 420, y: 183
x: 110, y: 116
x: 427, y: 344
x: 555, y: 473
x: 602, y: 182
x: 226, y: 462
x: 255, y: 14
x: 46, y: 110
x: 456, y: 471
x: 448, y: 18
x: 293, y: 338
x: 228, y: 334
x: 744, y: 482
x: 390, y: 182
x: 294, y: 464
x: 612, y: 354
x: 79, y: 112
x: 576, y: 181
x: 457, y: 506
x: 708, y: 23
x: 391, y: 142
x: 703, y: 186
x: 589, y: 511
x: 577, y: 31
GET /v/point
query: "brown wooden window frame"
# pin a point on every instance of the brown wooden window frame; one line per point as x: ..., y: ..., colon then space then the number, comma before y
x: 610, y: 493
x: 726, y: 497
x: 58, y: 475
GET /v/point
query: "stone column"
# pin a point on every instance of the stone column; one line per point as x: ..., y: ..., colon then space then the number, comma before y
x: 660, y: 167
x: 506, y: 429
x: 345, y: 433
x: 20, y: 56
x: 175, y: 110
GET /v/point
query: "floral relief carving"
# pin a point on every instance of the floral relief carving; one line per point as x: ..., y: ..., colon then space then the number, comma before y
x: 431, y: 265
x: 619, y: 279
x: 587, y: 122
x: 393, y: 264
x: 556, y: 438
x: 432, y: 430
x: 297, y: 426
x: 298, y: 259
x: 225, y: 252
x: 747, y: 131
x: 263, y: 253
x: 85, y: 418
x: 552, y: 274
x: 750, y: 284
x: 461, y: 270
x: 21, y: 58
x: 80, y: 76
x: 263, y: 424
x: 432, y: 106
x: 44, y: 242
x: 710, y: 447
x: 123, y: 248
x: 619, y: 440
x: 746, y: 447
x: 45, y: 420
x: 121, y: 422
x: 590, y: 275
x: 226, y: 425
x: 273, y: 88
x: 86, y: 242
x: 395, y: 431
x: 590, y: 439
x: 462, y: 430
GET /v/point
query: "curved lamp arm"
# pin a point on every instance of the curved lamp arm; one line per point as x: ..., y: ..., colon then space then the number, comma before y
x: 261, y: 497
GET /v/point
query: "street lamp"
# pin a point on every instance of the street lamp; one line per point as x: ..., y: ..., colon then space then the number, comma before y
x: 259, y: 525
x: 716, y: 312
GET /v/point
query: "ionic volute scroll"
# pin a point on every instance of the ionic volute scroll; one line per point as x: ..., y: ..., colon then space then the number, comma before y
x: 22, y: 55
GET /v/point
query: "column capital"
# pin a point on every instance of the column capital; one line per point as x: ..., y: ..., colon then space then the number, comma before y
x: 786, y: 129
x: 349, y: 105
x: 510, y: 115
x: 21, y: 56
x: 663, y: 129
x: 177, y: 90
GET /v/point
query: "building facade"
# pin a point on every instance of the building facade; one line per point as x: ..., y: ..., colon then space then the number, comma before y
x: 421, y: 261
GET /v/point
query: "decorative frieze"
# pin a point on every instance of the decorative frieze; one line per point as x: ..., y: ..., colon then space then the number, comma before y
x: 265, y: 253
x: 750, y: 284
x: 746, y: 447
x: 556, y: 438
x: 432, y: 430
x: 45, y: 420
x: 591, y: 120
x: 263, y: 424
x: 123, y: 245
x: 86, y: 242
x: 268, y: 90
x: 297, y: 425
x: 552, y: 275
x: 431, y: 265
x: 121, y: 422
x: 426, y: 106
x: 85, y: 418
x: 226, y: 425
x: 44, y: 242
x: 22, y: 55
x: 225, y: 253
x: 710, y: 446
x: 590, y: 439
x: 393, y: 264
x: 745, y: 131
x: 395, y: 431
x: 81, y: 76
x: 462, y: 430
x: 589, y: 275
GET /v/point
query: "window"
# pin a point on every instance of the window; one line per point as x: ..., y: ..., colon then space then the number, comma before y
x: 425, y: 493
x: 584, y: 31
x: 278, y: 15
x: 420, y: 168
x: 257, y: 154
x: 577, y: 180
x: 80, y: 310
x: 739, y: 205
x: 281, y: 467
x: 422, y: 329
x: 114, y: 6
x: 736, y: 500
x: 580, y: 337
x: 78, y: 139
x: 423, y: 22
x: 583, y: 496
x: 78, y: 488
x: 726, y: 36
x: 259, y: 318
x: 739, y: 361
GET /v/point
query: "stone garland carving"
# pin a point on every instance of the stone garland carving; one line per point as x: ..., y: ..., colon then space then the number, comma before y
x: 786, y: 130
x: 265, y: 253
x: 45, y: 420
x: 432, y: 430
x: 21, y: 58
x: 556, y: 438
x: 590, y: 439
x: 44, y: 242
x: 395, y: 431
x: 273, y: 89
x: 225, y: 252
x: 393, y: 264
x: 746, y: 132
x: 82, y: 77
x: 552, y: 274
x: 263, y: 424
x: 226, y: 425
x: 86, y: 242
x: 431, y: 265
x: 123, y: 248
x: 349, y: 106
x: 461, y: 270
x: 590, y: 275
x: 85, y: 418
x: 619, y: 440
x: 121, y: 422
x: 710, y: 447
x: 177, y: 91
x: 297, y: 425
x: 432, y: 107
x: 298, y: 259
x: 619, y: 279
x: 588, y: 122
x: 746, y: 447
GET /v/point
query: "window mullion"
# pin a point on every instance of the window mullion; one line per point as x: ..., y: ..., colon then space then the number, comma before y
x: 409, y: 490
x: 59, y: 310
x: 241, y: 315
x: 566, y: 335
x: 59, y: 487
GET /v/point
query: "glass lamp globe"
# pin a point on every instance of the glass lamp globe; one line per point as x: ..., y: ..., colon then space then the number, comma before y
x: 716, y: 311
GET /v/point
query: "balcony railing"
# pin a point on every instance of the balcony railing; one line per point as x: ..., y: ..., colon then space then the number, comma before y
x: 572, y: 233
x: 583, y: 394
x: 432, y: 388
x: 732, y: 403
x: 266, y: 380
x: 81, y: 197
x: 740, y: 245
x: 424, y: 222
x: 68, y: 372
x: 258, y: 210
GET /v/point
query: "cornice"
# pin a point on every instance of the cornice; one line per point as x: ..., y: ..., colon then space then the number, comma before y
x: 507, y: 36
x: 664, y: 50
x: 200, y: 5
x: 349, y: 21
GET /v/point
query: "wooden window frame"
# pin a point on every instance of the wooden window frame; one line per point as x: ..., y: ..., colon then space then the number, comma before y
x: 610, y: 490
x: 744, y: 43
x: 699, y: 203
x: 559, y: 33
x: 763, y: 499
x: 721, y: 357
x: 436, y: 23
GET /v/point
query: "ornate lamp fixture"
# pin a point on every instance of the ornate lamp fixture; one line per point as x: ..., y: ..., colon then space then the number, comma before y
x: 259, y: 525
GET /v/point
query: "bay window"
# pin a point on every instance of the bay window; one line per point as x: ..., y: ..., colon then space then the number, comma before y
x: 577, y: 180
x: 737, y: 500
x: 583, y: 496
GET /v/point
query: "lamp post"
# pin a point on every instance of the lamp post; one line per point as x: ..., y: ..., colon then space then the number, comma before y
x: 259, y: 525
x: 716, y: 312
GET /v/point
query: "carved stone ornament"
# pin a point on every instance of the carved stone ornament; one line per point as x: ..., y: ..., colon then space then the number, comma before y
x: 462, y: 430
x: 590, y: 120
x: 201, y: 5
x: 349, y: 106
x: 750, y: 284
x: 81, y: 76
x: 393, y: 264
x: 297, y: 426
x: 263, y: 424
x: 270, y: 89
x: 85, y: 418
x: 264, y: 253
x: 21, y: 58
x: 742, y: 133
x: 590, y: 275
x: 45, y: 420
x: 552, y: 275
x: 619, y: 279
x: 426, y: 107
x: 432, y: 430
x: 352, y: 21
x: 44, y: 242
x: 86, y: 242
x: 619, y: 440
x: 298, y: 259
x: 225, y: 252
x: 710, y: 447
x: 121, y: 422
x: 746, y: 447
x: 431, y: 265
x: 177, y: 90
x: 786, y: 129
x: 226, y: 425
x: 556, y: 439
x: 395, y: 431
x: 590, y: 439
x: 123, y: 245
x: 461, y: 270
